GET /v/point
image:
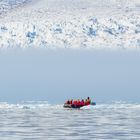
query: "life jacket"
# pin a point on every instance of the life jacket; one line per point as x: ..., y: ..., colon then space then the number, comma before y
x: 86, y: 102
x: 78, y: 103
x: 82, y: 103
x: 75, y: 102
x: 68, y: 102
x: 71, y: 102
x: 89, y: 101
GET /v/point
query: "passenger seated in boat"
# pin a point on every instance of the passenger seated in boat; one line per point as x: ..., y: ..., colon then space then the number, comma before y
x: 82, y: 103
x: 71, y: 101
x: 67, y: 102
x: 88, y: 100
x: 75, y: 103
x: 78, y: 103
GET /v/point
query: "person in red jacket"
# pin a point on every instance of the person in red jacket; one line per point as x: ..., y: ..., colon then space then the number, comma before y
x: 78, y: 103
x: 71, y: 101
x: 82, y: 103
x: 67, y: 102
x: 88, y: 100
x: 75, y: 103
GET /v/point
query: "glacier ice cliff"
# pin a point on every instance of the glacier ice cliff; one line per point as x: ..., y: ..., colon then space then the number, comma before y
x: 70, y: 24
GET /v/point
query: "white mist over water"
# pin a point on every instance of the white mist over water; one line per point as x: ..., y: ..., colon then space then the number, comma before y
x: 57, y: 75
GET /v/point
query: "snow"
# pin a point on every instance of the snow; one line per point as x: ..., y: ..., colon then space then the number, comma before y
x: 70, y: 23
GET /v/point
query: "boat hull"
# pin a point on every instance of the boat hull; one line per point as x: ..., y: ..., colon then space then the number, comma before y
x: 76, y: 106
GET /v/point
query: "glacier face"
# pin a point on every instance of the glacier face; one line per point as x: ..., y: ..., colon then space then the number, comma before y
x: 71, y: 24
x: 6, y: 5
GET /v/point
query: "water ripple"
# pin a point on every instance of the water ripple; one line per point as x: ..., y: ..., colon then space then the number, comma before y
x: 108, y: 121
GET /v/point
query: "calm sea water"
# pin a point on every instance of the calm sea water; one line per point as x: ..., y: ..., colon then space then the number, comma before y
x: 41, y: 121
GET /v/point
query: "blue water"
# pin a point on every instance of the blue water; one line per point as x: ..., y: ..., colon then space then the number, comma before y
x: 41, y: 121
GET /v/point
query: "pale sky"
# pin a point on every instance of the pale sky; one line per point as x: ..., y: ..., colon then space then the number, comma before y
x: 55, y: 75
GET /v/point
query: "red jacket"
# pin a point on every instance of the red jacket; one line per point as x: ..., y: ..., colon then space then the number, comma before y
x: 75, y: 102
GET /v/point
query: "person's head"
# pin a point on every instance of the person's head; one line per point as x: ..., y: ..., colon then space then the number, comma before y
x: 88, y: 98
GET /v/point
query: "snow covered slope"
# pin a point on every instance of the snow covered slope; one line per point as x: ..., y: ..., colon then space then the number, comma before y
x: 70, y: 23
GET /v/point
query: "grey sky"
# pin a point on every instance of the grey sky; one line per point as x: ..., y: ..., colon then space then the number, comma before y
x: 55, y: 75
